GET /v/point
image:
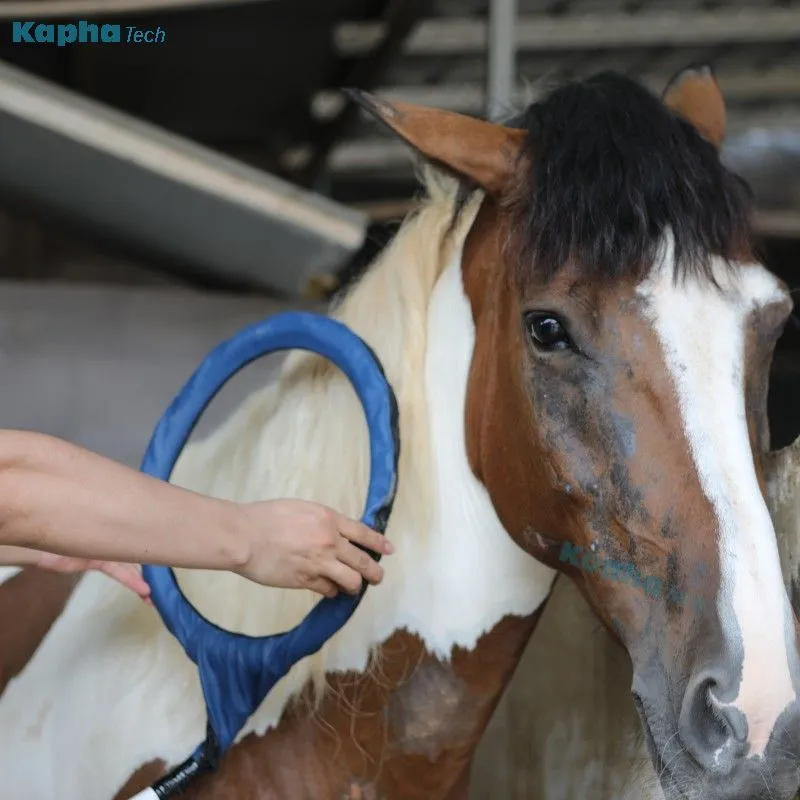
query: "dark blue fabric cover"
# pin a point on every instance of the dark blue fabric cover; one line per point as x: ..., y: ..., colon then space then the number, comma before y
x: 237, y: 671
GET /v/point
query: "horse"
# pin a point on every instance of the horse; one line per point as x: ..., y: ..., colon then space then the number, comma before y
x: 578, y: 333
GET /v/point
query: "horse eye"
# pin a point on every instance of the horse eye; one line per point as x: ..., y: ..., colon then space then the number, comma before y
x: 547, y: 331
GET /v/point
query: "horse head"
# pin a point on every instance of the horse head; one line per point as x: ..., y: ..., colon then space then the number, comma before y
x: 616, y: 403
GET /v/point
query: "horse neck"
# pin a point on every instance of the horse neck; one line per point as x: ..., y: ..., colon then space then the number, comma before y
x: 455, y: 573
x: 412, y: 680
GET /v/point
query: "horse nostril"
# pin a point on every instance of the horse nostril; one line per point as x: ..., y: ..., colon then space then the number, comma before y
x: 714, y: 734
x: 731, y: 719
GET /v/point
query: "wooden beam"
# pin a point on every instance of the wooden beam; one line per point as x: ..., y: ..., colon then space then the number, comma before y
x: 53, y: 9
x: 451, y: 36
x: 740, y: 86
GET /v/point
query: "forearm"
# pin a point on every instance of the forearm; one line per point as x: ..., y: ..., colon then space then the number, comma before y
x: 60, y: 498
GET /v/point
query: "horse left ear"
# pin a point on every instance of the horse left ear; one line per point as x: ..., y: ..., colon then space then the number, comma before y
x: 695, y: 95
x: 481, y: 151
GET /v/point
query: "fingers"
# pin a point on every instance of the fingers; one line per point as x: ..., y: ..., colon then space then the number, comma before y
x: 359, y: 561
x: 361, y: 534
x: 129, y: 575
x: 345, y: 577
x: 324, y: 587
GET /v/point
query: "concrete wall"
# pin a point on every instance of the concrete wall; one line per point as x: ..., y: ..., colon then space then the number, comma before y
x: 98, y: 365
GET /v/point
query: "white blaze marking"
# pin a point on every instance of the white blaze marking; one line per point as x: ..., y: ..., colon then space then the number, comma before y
x: 702, y: 332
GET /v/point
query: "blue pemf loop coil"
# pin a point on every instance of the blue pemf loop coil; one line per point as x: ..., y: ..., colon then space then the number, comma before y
x: 238, y: 671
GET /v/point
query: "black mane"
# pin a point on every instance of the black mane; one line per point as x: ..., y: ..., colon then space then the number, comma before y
x: 611, y: 168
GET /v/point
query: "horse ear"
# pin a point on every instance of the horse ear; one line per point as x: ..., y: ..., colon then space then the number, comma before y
x: 481, y: 151
x: 695, y: 95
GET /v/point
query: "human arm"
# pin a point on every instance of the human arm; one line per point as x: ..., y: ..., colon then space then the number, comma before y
x: 61, y: 499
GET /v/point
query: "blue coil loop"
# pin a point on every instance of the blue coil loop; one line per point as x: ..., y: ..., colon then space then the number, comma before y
x: 238, y: 671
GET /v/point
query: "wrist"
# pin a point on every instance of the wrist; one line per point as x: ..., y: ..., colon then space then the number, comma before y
x: 238, y: 546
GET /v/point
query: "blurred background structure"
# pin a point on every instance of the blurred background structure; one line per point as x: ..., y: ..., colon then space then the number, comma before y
x: 257, y: 81
x: 156, y: 197
x: 225, y: 158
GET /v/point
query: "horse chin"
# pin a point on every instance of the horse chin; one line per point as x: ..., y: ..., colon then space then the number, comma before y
x: 677, y: 778
x: 666, y: 777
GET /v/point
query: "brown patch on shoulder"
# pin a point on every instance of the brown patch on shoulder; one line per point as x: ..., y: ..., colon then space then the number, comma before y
x: 375, y: 736
x: 30, y: 603
x: 359, y: 790
x: 144, y: 777
x: 430, y: 708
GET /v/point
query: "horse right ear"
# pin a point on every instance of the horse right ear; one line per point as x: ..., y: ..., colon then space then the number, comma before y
x: 695, y: 95
x: 484, y: 152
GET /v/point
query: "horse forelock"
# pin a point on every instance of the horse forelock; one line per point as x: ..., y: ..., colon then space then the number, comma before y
x: 606, y: 171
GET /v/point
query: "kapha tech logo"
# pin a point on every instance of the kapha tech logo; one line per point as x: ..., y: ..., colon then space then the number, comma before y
x: 83, y: 32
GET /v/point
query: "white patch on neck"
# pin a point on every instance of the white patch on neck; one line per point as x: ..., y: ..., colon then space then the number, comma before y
x: 702, y: 332
x: 109, y: 689
x: 467, y: 536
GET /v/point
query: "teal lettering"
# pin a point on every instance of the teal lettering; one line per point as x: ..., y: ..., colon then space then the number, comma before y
x: 21, y: 32
x: 110, y: 33
x: 653, y: 585
x: 64, y: 34
x: 699, y: 604
x: 67, y: 34
x: 569, y: 554
x: 589, y: 562
x: 45, y: 34
x: 676, y: 596
x: 149, y: 36
x: 612, y: 570
x: 87, y: 32
x: 633, y: 575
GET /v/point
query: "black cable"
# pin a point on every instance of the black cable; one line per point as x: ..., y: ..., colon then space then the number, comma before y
x: 203, y: 761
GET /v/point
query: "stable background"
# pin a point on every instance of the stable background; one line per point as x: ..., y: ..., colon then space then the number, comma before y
x: 156, y: 198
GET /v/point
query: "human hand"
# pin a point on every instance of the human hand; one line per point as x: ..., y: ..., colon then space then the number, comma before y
x: 295, y: 544
x: 129, y: 575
